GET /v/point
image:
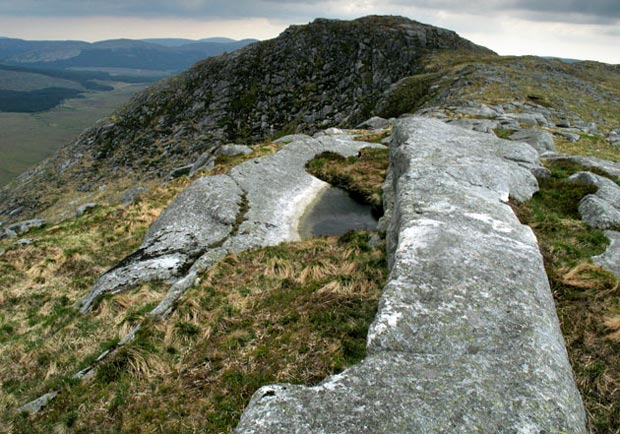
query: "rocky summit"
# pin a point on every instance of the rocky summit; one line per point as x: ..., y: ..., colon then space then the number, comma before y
x: 163, y: 285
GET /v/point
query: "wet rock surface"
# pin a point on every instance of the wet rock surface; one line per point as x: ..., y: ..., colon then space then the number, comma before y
x: 466, y: 338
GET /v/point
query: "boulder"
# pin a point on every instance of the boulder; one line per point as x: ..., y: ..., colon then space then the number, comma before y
x: 540, y: 140
x: 563, y: 123
x: 481, y: 110
x: 205, y: 160
x: 24, y: 226
x: 131, y: 195
x: 600, y: 210
x: 292, y: 138
x: 329, y: 132
x: 531, y: 119
x: 180, y: 171
x: 614, y: 138
x: 35, y: 406
x: 571, y: 137
x: 480, y: 125
x: 610, y: 259
x: 85, y: 207
x: 374, y: 123
x: 231, y: 150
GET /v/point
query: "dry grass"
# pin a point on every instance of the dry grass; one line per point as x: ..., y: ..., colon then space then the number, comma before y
x: 592, y: 146
x: 291, y: 313
x: 43, y: 340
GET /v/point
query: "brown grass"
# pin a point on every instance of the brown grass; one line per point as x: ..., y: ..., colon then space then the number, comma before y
x: 291, y: 313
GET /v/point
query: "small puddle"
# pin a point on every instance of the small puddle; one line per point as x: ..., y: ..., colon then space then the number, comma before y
x: 335, y: 213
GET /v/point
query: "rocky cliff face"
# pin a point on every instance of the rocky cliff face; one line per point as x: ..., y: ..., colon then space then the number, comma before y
x: 327, y: 73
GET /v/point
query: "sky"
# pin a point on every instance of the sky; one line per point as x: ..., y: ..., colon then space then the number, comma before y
x: 579, y: 29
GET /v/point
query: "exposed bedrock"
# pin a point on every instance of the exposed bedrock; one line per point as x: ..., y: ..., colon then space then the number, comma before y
x: 200, y: 217
x: 258, y: 203
x: 600, y: 210
x: 466, y: 338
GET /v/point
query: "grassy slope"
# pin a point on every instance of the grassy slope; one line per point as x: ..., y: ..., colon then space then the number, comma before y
x: 27, y: 139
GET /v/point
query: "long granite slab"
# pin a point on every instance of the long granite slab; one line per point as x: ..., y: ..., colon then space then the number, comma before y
x: 466, y: 338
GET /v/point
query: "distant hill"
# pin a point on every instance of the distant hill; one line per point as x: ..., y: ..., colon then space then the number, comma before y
x: 166, y: 56
x: 562, y: 59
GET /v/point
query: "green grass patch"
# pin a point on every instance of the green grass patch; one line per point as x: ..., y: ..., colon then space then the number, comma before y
x: 362, y: 176
x: 503, y: 133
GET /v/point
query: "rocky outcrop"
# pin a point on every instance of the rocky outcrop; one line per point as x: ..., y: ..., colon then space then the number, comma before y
x: 258, y: 203
x: 610, y: 259
x: 466, y: 338
x: 202, y: 217
x: 20, y: 228
x: 540, y: 140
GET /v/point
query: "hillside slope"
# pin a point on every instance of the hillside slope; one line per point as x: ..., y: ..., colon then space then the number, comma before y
x: 298, y: 312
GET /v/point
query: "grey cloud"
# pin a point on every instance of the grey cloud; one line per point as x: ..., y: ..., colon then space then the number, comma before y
x: 157, y: 8
x: 578, y: 11
x: 572, y: 11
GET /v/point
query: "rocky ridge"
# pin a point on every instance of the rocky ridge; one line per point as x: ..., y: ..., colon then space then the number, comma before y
x: 180, y: 246
x: 460, y: 265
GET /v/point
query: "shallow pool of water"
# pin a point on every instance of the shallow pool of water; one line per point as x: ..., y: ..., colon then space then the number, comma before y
x: 335, y: 213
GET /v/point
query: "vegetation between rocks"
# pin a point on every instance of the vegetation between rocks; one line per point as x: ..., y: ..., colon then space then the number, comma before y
x: 587, y: 296
x: 291, y: 313
x: 361, y: 176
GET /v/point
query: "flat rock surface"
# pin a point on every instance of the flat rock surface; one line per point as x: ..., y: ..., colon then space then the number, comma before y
x: 279, y: 189
x: 466, y: 338
x: 200, y: 217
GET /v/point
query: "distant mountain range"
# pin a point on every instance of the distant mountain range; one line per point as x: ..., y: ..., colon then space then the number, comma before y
x: 117, y: 57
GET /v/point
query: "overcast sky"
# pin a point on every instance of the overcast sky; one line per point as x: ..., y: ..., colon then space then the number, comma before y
x: 581, y: 29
